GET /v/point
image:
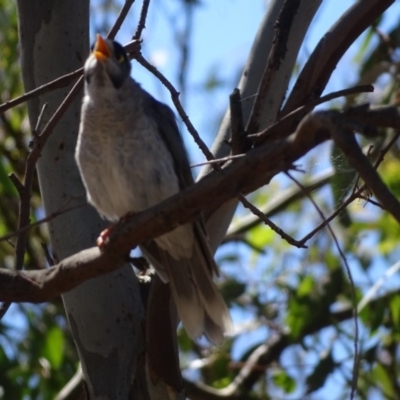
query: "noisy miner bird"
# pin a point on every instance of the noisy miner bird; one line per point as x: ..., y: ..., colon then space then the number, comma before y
x: 131, y: 157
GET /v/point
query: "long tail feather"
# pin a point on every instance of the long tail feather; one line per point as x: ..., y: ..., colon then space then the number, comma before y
x: 200, y: 305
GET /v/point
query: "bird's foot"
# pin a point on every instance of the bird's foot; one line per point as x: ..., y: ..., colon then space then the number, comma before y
x: 103, y: 238
x: 104, y: 235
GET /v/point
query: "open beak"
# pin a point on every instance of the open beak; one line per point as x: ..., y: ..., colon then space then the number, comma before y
x: 101, y: 51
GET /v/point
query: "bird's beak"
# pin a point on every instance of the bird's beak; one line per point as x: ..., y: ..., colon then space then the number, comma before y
x: 101, y: 51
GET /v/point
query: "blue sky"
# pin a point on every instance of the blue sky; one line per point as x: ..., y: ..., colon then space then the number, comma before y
x: 223, y: 33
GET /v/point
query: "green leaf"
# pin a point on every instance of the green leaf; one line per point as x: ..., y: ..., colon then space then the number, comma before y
x: 307, y: 285
x: 283, y: 380
x: 373, y: 315
x: 364, y: 45
x: 300, y: 314
x: 381, y: 376
x: 6, y: 187
x: 341, y: 182
x: 260, y: 236
x: 54, y: 347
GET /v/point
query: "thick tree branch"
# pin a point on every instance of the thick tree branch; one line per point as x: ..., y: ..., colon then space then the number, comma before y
x: 346, y: 141
x: 331, y: 48
x: 242, y: 175
x: 278, y: 129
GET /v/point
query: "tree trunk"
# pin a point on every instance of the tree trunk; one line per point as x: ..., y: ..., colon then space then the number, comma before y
x: 105, y: 314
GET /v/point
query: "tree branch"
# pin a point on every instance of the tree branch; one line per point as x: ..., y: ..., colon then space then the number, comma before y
x: 58, y: 83
x: 269, y: 353
x: 242, y: 175
x: 120, y: 19
x: 245, y: 174
x: 276, y: 56
x: 278, y: 203
x: 331, y: 48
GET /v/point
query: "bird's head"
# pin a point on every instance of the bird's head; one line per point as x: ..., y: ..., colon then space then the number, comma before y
x: 107, y: 64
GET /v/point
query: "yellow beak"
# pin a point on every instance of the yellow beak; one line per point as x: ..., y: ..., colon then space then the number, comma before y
x: 101, y: 51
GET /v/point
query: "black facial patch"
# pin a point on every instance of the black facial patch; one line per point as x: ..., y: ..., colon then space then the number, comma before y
x: 122, y: 59
x: 120, y: 54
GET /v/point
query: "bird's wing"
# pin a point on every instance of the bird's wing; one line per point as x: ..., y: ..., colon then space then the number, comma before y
x: 200, y: 305
x: 169, y: 132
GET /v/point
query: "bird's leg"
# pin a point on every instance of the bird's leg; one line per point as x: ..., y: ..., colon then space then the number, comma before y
x: 104, y: 235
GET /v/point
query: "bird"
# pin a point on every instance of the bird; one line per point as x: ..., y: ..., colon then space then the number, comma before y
x: 131, y: 156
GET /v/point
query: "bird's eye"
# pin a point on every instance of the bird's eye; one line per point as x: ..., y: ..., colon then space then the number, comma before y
x: 120, y: 53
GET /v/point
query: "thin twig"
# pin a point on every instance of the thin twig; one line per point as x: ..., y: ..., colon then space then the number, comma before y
x: 35, y: 132
x: 39, y: 120
x: 218, y: 160
x: 276, y: 131
x: 24, y: 191
x: 326, y: 220
x: 357, y: 192
x: 319, y: 67
x: 175, y: 98
x: 384, y: 151
x: 17, y: 183
x: 279, y: 203
x: 58, y: 83
x: 142, y: 20
x: 268, y: 222
x: 120, y: 19
x: 206, y: 151
x: 346, y: 141
x: 49, y: 258
x: 41, y: 221
x: 356, y: 362
x: 48, y: 129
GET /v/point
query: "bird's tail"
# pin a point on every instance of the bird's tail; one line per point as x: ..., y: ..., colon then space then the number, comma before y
x: 200, y: 305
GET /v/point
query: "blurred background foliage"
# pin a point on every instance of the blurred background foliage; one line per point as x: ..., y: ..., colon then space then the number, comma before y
x: 291, y: 307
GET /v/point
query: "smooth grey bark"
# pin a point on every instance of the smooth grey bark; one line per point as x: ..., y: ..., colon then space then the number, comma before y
x: 218, y: 224
x: 105, y: 314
